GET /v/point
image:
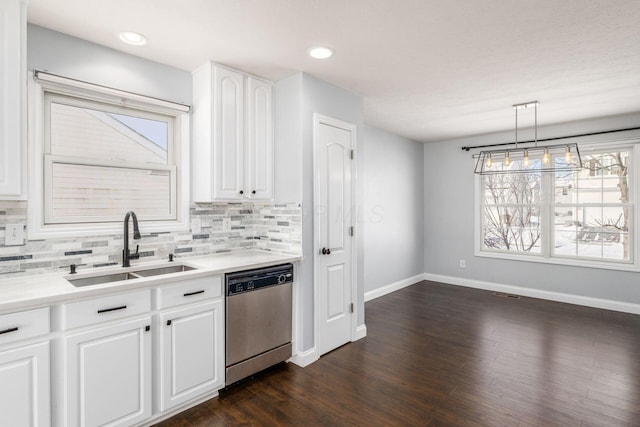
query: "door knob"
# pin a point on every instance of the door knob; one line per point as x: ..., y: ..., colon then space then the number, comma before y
x: 326, y: 251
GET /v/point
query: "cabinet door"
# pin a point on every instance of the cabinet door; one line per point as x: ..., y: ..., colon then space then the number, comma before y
x: 191, y: 353
x: 228, y: 134
x: 24, y: 386
x: 12, y: 94
x: 259, y: 141
x: 109, y: 375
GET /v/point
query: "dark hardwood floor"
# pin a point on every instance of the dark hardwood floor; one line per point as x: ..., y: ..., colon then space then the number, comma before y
x: 441, y: 355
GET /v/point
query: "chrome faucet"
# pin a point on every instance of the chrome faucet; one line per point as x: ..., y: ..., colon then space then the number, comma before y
x: 126, y: 254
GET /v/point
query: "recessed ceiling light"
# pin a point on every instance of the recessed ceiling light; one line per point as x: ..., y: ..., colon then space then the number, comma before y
x: 133, y: 38
x: 320, y: 52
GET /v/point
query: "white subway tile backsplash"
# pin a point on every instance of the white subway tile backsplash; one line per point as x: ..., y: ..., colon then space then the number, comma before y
x: 217, y: 228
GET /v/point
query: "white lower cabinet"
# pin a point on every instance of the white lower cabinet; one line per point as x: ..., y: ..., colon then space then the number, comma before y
x: 107, y: 360
x: 25, y: 391
x: 122, y: 359
x: 191, y: 353
x: 24, y: 386
x: 108, y: 374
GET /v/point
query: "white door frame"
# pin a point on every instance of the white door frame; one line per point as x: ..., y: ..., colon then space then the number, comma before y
x: 319, y: 119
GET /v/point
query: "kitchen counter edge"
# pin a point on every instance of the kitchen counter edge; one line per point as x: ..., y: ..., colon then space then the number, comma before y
x: 30, y: 292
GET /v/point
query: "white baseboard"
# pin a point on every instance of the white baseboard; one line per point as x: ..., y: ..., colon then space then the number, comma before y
x: 361, y: 332
x: 387, y: 289
x: 305, y: 358
x: 606, y: 304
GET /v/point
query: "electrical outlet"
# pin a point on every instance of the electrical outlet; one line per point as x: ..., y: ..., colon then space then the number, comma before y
x: 226, y: 224
x: 463, y: 264
x: 14, y: 234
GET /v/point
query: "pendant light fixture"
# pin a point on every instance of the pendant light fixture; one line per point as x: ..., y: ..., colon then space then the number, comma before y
x: 532, y: 158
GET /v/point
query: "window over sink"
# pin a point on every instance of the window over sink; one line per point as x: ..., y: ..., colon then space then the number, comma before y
x: 99, y: 152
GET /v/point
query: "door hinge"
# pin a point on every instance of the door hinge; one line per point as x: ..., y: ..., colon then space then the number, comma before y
x: 351, y: 307
x: 351, y: 231
x: 353, y: 154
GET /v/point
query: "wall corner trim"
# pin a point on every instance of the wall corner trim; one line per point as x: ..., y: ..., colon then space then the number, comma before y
x: 305, y: 358
x: 606, y: 304
x: 392, y: 287
x: 361, y: 332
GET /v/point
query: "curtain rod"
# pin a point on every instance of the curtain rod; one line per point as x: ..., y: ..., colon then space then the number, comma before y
x: 552, y: 139
x: 57, y: 78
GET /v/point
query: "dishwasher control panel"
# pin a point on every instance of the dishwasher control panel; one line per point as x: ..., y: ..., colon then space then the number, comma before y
x: 250, y: 280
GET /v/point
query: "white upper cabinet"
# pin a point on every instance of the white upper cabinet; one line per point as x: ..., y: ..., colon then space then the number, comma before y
x: 13, y: 16
x: 259, y: 140
x: 228, y: 128
x: 233, y: 136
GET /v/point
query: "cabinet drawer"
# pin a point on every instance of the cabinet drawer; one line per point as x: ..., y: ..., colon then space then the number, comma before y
x: 107, y: 308
x: 189, y: 291
x: 24, y: 324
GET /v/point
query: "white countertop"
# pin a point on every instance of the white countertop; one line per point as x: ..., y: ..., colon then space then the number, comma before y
x: 28, y: 292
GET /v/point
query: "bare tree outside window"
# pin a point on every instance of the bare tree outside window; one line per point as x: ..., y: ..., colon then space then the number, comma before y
x: 512, y: 212
x: 581, y: 215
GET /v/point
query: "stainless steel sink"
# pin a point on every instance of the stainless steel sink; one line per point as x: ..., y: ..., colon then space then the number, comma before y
x: 105, y: 278
x: 117, y: 277
x: 164, y: 270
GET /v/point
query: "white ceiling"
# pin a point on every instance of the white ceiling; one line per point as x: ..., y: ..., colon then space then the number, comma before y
x: 427, y: 69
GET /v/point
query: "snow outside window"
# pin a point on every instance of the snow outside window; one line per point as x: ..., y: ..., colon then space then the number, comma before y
x: 578, y: 216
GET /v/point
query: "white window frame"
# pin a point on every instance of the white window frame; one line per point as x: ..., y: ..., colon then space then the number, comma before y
x: 41, y: 223
x: 631, y: 144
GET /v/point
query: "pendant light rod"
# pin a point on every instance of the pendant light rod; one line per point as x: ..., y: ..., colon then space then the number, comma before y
x: 552, y: 139
x: 523, y: 106
x: 535, y: 135
x: 515, y: 107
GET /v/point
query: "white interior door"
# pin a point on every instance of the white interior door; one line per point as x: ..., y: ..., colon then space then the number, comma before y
x: 334, y: 142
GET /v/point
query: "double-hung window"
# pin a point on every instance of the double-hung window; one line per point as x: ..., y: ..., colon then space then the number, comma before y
x: 101, y: 152
x: 581, y: 218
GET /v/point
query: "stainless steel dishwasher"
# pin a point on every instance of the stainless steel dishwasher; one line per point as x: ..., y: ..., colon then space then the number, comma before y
x: 258, y: 320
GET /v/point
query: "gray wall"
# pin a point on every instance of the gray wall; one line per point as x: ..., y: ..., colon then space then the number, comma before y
x: 324, y: 98
x: 287, y: 110
x: 449, y: 222
x: 68, y: 56
x: 296, y: 99
x: 393, y: 212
